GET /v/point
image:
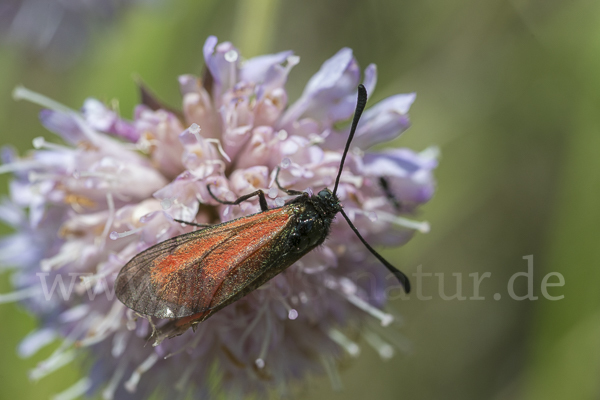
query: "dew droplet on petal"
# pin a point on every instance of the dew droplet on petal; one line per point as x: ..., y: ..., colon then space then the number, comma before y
x: 145, y: 218
x: 273, y: 192
x: 285, y: 163
x: 231, y: 56
x: 260, y: 363
x: 282, y: 134
x: 114, y: 235
x: 38, y: 142
x: 347, y: 286
x: 166, y: 204
x: 194, y: 129
x: 387, y: 319
x: 309, y: 174
x: 289, y: 147
x: 32, y: 176
x: 347, y: 344
x: 303, y: 298
x: 279, y: 202
x: 386, y: 352
x: 293, y: 314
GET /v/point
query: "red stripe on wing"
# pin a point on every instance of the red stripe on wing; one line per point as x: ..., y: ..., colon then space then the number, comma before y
x: 181, y: 276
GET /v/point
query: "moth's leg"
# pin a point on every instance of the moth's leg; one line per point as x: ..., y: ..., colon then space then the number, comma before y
x: 261, y: 199
x: 291, y: 192
x: 213, y: 216
x: 191, y: 223
x: 388, y: 193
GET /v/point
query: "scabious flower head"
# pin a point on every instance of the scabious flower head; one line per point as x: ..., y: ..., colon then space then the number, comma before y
x: 83, y: 208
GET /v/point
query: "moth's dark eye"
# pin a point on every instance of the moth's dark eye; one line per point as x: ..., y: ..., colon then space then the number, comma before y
x: 325, y: 194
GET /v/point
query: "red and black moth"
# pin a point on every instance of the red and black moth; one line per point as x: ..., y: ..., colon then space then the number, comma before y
x: 190, y: 277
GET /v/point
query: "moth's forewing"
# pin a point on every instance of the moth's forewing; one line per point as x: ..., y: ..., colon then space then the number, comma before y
x: 205, y: 270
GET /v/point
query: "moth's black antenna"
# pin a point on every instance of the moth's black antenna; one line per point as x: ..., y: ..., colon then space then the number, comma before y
x: 360, y: 106
x: 397, y: 273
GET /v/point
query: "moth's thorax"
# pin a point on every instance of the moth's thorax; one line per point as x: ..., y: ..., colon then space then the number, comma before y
x: 312, y: 220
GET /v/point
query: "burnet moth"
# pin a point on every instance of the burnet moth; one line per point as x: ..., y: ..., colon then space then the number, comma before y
x: 190, y: 277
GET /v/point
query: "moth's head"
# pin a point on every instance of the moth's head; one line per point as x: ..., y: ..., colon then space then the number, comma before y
x: 328, y: 201
x: 327, y: 195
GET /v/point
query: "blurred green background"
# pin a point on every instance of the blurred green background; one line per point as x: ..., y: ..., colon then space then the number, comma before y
x: 510, y: 92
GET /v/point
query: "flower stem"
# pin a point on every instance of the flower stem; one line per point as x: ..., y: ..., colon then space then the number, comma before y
x: 255, y: 22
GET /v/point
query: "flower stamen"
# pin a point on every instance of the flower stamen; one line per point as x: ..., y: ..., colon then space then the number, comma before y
x: 109, y: 391
x: 332, y: 372
x: 252, y: 325
x: 103, y: 330
x: 35, y: 340
x: 131, y: 384
x: 421, y: 226
x: 114, y: 235
x: 54, y: 362
x: 337, y: 336
x: 20, y: 165
x: 18, y: 295
x: 119, y: 343
x: 217, y: 142
x: 383, y: 317
x: 68, y: 253
x: 384, y: 349
x: 40, y: 142
x: 181, y: 384
x: 75, y: 391
x: 101, y: 240
x: 22, y: 93
x: 260, y: 361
